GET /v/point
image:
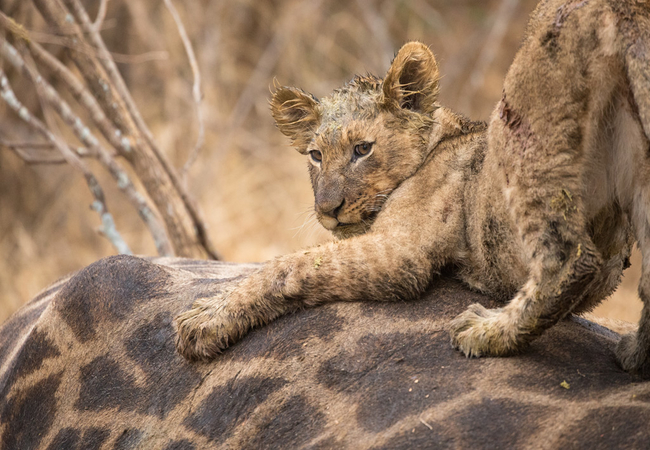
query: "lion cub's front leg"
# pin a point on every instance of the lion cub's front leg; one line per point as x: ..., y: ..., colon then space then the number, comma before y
x: 368, y: 267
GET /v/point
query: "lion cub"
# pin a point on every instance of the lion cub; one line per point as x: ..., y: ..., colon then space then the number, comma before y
x: 542, y: 206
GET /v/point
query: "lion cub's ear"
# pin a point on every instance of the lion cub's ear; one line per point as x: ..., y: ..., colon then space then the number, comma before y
x: 412, y: 80
x: 296, y: 115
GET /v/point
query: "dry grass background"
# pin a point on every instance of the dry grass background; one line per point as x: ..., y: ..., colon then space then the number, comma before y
x: 252, y: 187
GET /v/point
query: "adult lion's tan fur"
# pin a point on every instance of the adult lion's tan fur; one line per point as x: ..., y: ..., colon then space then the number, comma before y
x: 541, y: 207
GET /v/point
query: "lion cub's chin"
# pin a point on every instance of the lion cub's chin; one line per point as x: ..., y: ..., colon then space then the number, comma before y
x: 330, y: 223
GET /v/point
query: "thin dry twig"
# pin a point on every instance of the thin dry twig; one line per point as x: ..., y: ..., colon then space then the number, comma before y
x: 197, y: 94
x: 425, y: 423
x: 140, y: 58
x: 101, y: 15
x: 99, y: 205
x: 78, y: 90
x: 37, y: 153
x: 122, y: 58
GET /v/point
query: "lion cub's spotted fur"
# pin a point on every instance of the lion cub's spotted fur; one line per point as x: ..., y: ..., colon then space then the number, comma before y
x: 542, y: 206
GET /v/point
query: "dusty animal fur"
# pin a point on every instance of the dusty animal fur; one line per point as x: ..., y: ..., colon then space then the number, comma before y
x: 541, y: 207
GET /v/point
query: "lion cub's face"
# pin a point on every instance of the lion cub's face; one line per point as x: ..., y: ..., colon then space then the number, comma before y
x: 364, y: 139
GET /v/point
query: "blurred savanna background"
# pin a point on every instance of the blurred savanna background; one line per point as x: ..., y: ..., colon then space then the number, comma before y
x: 250, y: 186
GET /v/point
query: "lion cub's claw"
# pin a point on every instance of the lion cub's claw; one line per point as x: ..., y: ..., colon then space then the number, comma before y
x: 483, y: 332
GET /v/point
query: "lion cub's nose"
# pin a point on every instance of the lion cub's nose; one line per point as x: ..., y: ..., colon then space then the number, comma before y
x: 330, y: 208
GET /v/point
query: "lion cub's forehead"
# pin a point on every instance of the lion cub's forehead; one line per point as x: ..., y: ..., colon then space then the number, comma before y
x: 344, y: 112
x: 359, y: 97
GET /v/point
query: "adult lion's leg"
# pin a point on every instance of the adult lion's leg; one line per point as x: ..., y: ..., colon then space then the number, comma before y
x: 633, y: 350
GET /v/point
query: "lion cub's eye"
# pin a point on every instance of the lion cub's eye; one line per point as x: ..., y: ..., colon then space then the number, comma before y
x: 362, y: 149
x: 316, y: 156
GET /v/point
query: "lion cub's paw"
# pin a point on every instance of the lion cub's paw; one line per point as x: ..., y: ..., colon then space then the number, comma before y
x: 632, y: 357
x: 207, y: 329
x: 483, y: 332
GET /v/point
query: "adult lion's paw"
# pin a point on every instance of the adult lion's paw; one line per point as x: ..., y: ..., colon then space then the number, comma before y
x: 484, y: 332
x: 208, y: 328
x: 633, y: 357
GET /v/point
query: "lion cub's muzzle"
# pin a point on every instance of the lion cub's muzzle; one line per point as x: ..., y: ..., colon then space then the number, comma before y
x: 328, y: 212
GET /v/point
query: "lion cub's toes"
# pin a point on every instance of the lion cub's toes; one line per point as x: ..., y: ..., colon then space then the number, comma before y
x: 483, y: 332
x: 633, y: 357
x: 206, y: 330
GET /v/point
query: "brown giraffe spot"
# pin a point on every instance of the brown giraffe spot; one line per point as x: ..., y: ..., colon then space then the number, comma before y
x: 93, y: 438
x: 436, y: 437
x: 152, y: 345
x: 294, y: 424
x: 384, y: 369
x: 30, y: 414
x: 108, y: 290
x: 169, y: 378
x: 588, y: 365
x: 607, y: 428
x: 218, y: 415
x: 105, y: 385
x: 12, y: 330
x: 328, y: 443
x: 36, y: 349
x: 65, y: 439
x: 183, y: 444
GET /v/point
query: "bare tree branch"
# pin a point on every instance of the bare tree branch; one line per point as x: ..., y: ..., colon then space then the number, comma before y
x: 99, y: 205
x: 198, y: 224
x: 85, y: 135
x: 48, y: 38
x: 185, y: 227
